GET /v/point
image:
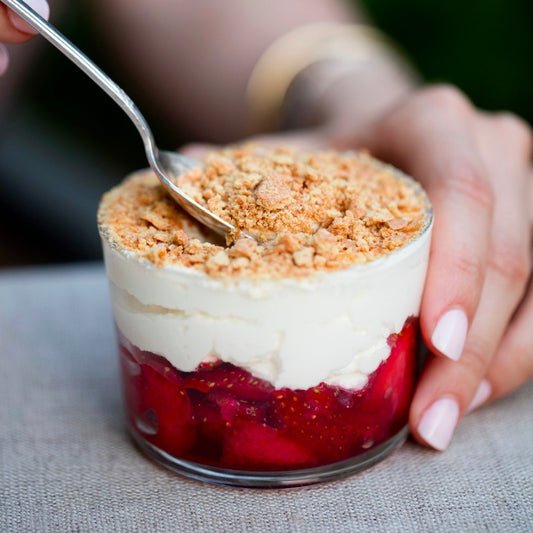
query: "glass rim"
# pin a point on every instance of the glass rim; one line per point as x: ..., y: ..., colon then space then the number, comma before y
x: 352, y: 269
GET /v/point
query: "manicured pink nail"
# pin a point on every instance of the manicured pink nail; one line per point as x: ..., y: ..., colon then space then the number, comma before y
x: 39, y: 6
x: 4, y: 59
x: 450, y: 334
x: 482, y: 395
x: 438, y: 423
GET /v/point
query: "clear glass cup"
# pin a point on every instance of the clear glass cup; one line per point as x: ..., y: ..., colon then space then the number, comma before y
x: 217, y: 421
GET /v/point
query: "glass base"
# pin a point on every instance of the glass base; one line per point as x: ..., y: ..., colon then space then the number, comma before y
x: 280, y: 479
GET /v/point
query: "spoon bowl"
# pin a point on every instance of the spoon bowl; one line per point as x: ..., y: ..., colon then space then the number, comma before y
x: 168, y: 166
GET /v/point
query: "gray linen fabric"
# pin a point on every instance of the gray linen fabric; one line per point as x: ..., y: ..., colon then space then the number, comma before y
x: 68, y: 465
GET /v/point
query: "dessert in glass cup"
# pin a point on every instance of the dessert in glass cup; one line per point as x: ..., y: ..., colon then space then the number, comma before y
x: 279, y: 363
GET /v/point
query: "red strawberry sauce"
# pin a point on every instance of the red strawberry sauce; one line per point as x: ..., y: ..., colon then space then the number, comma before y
x: 221, y: 415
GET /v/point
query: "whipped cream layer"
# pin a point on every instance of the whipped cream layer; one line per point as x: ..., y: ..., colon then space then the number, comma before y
x: 297, y: 332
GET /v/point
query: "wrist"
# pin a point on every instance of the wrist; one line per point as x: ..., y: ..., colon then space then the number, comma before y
x: 325, y: 74
x: 340, y: 94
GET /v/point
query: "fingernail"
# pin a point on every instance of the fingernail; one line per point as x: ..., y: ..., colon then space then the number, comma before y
x: 450, y: 334
x: 39, y: 6
x: 482, y: 395
x: 4, y: 59
x: 438, y: 423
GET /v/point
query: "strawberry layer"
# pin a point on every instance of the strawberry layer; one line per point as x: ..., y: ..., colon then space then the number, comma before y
x: 222, y: 415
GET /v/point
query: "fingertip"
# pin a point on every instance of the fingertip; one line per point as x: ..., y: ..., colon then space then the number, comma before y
x: 449, y: 334
x: 41, y: 7
x: 438, y: 423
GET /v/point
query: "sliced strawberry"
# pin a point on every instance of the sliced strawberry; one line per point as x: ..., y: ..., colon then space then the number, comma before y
x: 193, y: 381
x: 161, y: 366
x: 165, y: 415
x: 319, y: 418
x: 214, y: 412
x: 253, y: 445
x: 131, y: 380
x: 222, y: 415
x: 391, y: 386
x: 234, y: 381
x: 210, y: 426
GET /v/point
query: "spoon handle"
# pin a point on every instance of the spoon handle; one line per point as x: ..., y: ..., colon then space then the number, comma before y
x: 126, y: 103
x: 84, y: 63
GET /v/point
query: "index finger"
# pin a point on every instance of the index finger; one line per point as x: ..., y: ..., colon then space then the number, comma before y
x: 14, y: 29
x: 433, y: 139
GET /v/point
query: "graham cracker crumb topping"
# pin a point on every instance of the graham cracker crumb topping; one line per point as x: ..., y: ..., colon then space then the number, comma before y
x: 311, y: 210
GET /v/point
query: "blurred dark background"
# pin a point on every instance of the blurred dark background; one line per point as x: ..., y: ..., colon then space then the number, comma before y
x: 66, y: 140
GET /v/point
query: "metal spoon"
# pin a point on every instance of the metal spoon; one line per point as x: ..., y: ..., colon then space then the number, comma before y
x: 166, y: 165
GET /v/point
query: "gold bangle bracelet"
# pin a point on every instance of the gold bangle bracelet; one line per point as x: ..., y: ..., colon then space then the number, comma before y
x: 300, y: 48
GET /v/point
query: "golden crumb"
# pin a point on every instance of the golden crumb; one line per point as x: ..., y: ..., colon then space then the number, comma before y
x: 312, y: 211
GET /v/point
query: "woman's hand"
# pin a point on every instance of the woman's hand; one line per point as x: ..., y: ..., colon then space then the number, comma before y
x: 477, y: 310
x: 14, y: 29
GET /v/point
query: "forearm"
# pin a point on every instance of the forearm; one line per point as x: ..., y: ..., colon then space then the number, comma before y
x: 194, y: 59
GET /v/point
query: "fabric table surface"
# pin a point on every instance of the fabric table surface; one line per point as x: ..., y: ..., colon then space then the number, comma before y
x: 67, y: 463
